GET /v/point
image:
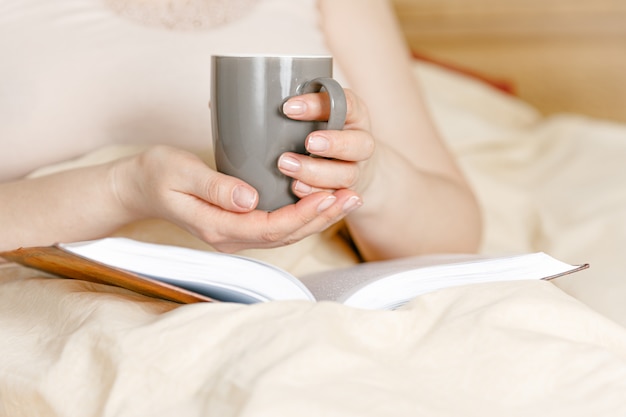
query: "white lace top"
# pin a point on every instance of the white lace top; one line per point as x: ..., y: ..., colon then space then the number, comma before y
x: 78, y: 74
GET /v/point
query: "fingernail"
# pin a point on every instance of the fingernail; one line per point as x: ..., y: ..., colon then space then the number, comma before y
x: 326, y: 203
x: 317, y: 144
x: 352, y: 204
x: 289, y: 163
x: 303, y: 188
x: 294, y: 107
x: 244, y: 197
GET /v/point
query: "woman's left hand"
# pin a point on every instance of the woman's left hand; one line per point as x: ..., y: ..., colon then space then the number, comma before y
x: 341, y: 156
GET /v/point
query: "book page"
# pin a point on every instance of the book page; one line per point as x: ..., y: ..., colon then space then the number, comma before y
x: 190, y: 275
x: 217, y: 275
x: 389, y: 284
x: 335, y: 285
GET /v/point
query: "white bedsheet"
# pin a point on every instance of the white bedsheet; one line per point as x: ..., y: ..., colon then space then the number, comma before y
x: 71, y: 348
x: 512, y: 349
x: 555, y: 184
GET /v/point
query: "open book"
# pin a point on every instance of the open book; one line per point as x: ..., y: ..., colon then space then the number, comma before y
x: 189, y: 275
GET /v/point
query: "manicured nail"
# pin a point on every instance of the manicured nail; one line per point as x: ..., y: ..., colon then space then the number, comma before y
x: 294, y: 108
x: 244, y: 197
x: 303, y: 188
x: 352, y: 204
x: 317, y: 144
x: 289, y: 163
x: 326, y: 203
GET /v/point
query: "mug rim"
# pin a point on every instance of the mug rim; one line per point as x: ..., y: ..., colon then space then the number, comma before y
x: 269, y: 56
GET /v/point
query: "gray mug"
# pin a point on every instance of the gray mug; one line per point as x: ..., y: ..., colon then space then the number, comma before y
x: 250, y: 132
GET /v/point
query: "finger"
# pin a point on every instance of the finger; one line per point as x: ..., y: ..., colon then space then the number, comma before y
x: 218, y: 189
x: 309, y: 215
x: 312, y: 106
x: 319, y: 172
x: 233, y: 231
x: 316, y: 106
x: 346, y: 202
x: 347, y: 145
x: 259, y: 229
x: 228, y: 193
x: 302, y: 189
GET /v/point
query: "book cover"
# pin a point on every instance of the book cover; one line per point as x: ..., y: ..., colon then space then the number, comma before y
x: 189, y: 275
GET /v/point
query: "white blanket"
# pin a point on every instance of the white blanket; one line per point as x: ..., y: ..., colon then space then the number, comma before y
x: 510, y: 349
x: 555, y: 184
x: 71, y: 348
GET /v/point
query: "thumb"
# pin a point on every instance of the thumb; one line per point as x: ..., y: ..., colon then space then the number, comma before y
x: 186, y: 173
x: 224, y: 191
x: 230, y: 193
x: 244, y: 198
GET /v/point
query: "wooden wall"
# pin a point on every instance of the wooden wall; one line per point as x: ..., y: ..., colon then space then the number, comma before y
x: 562, y: 55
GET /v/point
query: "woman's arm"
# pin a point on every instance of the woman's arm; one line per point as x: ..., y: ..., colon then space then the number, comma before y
x: 416, y: 200
x: 162, y: 182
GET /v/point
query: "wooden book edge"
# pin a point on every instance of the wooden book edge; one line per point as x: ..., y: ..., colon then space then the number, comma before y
x: 571, y: 271
x: 56, y: 260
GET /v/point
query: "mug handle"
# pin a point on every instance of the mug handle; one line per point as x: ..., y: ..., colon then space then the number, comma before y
x: 338, y: 104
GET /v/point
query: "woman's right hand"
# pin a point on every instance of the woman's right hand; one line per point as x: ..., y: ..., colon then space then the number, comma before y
x: 178, y: 186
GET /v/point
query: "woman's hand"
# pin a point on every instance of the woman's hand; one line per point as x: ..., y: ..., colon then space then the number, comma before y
x: 176, y: 185
x: 340, y: 156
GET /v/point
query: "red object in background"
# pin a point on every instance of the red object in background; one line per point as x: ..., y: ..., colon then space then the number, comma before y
x: 499, y: 84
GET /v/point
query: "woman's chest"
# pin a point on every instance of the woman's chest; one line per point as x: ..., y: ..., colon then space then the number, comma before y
x: 77, y: 76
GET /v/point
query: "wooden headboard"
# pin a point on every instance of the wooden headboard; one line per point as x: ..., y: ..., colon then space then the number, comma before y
x: 562, y: 55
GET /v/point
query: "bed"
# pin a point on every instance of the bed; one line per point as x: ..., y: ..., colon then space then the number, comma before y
x: 553, y: 183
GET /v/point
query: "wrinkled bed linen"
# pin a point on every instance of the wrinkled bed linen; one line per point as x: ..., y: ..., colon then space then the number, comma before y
x: 70, y: 348
x: 555, y: 184
x: 514, y: 349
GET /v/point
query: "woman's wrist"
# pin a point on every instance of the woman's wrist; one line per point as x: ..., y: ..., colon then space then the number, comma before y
x: 122, y: 176
x: 373, y: 185
x: 409, y: 212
